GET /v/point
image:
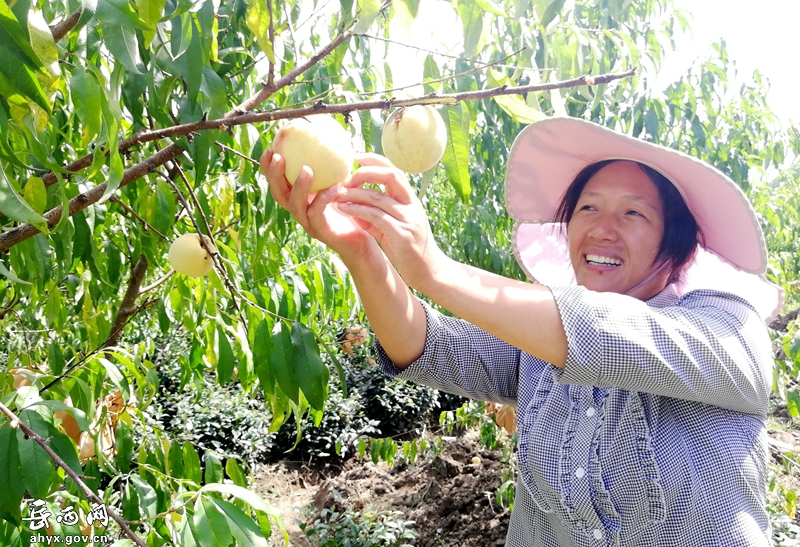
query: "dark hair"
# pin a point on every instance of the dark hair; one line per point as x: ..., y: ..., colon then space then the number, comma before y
x: 681, y: 231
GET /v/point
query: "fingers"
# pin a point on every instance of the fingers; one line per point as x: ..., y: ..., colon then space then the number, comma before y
x: 273, y: 166
x: 390, y: 178
x: 374, y: 160
x: 372, y: 198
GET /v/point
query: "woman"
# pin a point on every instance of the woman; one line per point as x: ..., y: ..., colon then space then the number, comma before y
x: 641, y: 400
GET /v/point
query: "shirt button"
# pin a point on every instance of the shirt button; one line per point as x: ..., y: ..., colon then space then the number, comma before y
x: 597, y: 533
x: 580, y: 472
x: 590, y: 412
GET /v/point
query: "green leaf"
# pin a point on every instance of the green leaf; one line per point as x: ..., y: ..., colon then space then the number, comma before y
x: 124, y: 46
x: 91, y: 475
x: 430, y: 71
x: 225, y: 358
x: 121, y: 14
x: 234, y: 471
x: 124, y: 441
x: 88, y: 10
x: 37, y: 467
x: 242, y: 527
x: 793, y: 402
x: 150, y: 11
x: 11, y: 483
x: 192, y: 66
x: 55, y: 358
x: 491, y: 7
x: 66, y: 450
x: 413, y: 7
x: 4, y: 271
x: 130, y: 503
x: 282, y: 359
x: 552, y: 11
x: 209, y: 525
x: 475, y: 30
x: 175, y: 460
x: 262, y: 349
x: 248, y: 496
x: 13, y: 205
x: 55, y: 405
x: 310, y: 372
x: 115, y: 375
x: 191, y: 464
x: 366, y: 13
x: 15, y: 32
x: 456, y: 153
x: 86, y: 95
x: 213, y: 468
x: 148, y: 499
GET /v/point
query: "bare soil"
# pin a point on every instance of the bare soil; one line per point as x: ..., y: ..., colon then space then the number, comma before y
x: 450, y: 496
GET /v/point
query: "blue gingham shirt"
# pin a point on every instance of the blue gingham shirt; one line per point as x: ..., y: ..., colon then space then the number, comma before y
x: 652, y: 435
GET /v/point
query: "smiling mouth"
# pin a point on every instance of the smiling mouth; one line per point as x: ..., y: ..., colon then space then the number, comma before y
x: 602, y: 260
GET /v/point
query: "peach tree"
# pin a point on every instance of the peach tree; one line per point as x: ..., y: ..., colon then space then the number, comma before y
x: 125, y: 124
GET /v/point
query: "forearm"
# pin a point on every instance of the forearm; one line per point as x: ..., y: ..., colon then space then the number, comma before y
x: 522, y: 314
x: 395, y: 315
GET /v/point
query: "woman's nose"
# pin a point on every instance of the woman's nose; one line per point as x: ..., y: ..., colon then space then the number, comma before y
x: 604, y: 228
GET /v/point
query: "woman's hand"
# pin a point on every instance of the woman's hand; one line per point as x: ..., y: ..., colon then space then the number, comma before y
x: 315, y: 214
x: 396, y: 219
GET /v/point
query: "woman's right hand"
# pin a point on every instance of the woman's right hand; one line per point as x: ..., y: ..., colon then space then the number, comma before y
x: 315, y: 214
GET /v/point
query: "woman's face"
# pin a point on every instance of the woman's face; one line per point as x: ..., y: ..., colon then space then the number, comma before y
x: 616, y: 230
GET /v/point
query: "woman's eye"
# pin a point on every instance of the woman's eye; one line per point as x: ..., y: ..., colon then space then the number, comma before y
x: 637, y: 213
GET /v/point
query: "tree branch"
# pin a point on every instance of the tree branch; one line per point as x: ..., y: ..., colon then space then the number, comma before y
x: 127, y: 306
x: 90, y: 197
x: 250, y: 104
x: 90, y: 495
x: 320, y: 107
x: 235, y: 118
x: 63, y: 28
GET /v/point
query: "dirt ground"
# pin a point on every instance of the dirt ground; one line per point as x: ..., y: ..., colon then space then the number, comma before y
x: 450, y: 497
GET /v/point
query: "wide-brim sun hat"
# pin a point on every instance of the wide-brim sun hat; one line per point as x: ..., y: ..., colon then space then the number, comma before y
x: 546, y: 157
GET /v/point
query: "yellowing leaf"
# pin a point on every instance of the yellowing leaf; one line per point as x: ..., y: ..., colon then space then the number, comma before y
x: 35, y: 194
x: 515, y: 107
x: 258, y: 21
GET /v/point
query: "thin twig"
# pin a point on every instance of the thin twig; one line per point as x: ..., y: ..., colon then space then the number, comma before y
x: 250, y: 104
x: 232, y: 151
x: 444, y: 78
x: 163, y: 279
x: 126, y: 207
x: 82, y: 201
x: 456, y: 57
x: 90, y: 495
x: 320, y: 107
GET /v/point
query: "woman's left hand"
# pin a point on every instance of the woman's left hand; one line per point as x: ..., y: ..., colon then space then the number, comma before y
x: 396, y: 219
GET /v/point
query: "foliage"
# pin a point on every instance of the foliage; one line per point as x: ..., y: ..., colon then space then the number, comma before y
x: 98, y: 175
x: 335, y: 527
x: 223, y: 419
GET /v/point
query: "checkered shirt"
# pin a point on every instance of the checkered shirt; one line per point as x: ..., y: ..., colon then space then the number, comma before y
x: 653, y: 434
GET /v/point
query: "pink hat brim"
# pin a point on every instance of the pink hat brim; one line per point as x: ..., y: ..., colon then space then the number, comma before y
x: 547, y: 155
x: 542, y: 251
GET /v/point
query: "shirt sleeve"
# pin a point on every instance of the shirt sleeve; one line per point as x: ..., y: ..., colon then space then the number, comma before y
x: 710, y: 347
x: 462, y: 359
